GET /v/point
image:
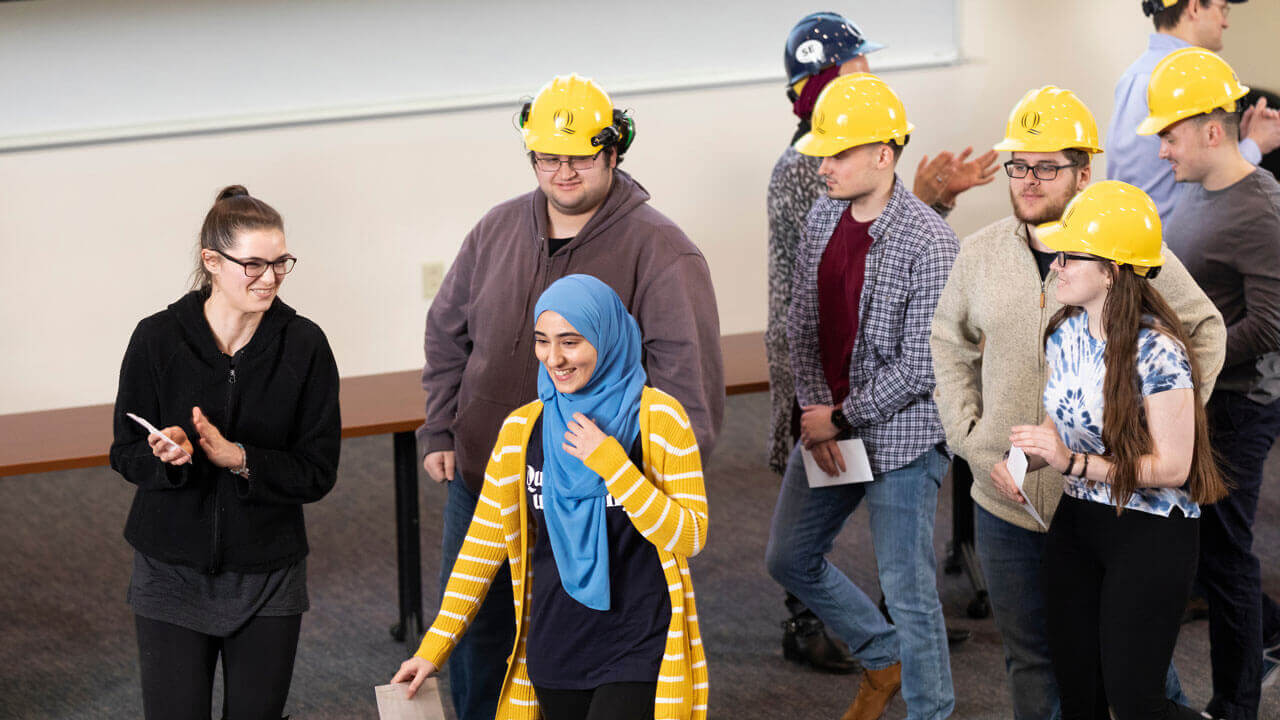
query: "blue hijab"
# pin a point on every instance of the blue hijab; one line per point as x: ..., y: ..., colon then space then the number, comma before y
x: 573, y: 495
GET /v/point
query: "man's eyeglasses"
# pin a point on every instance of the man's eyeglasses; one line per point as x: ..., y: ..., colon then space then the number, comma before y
x: 1019, y: 169
x: 254, y: 268
x: 1063, y: 257
x: 550, y: 163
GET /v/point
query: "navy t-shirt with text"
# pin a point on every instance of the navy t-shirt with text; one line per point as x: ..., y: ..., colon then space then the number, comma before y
x: 571, y: 646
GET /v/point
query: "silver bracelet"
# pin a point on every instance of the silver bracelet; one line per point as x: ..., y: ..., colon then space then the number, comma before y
x: 243, y: 470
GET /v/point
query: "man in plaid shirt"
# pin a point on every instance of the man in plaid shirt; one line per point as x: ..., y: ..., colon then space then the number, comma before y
x: 868, y: 273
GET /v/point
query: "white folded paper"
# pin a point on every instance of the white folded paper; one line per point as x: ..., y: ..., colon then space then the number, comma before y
x: 857, y: 467
x: 155, y: 430
x: 424, y: 705
x: 1017, y: 464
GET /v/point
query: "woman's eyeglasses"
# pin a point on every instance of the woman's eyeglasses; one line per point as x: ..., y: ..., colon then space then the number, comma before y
x: 254, y: 268
x: 1063, y: 257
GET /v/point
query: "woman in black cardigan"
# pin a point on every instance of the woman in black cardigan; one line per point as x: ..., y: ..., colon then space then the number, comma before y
x: 245, y: 392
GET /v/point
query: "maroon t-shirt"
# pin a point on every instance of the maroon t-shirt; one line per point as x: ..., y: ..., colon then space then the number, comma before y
x: 840, y: 276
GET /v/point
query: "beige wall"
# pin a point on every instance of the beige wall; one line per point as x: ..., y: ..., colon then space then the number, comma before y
x: 96, y: 237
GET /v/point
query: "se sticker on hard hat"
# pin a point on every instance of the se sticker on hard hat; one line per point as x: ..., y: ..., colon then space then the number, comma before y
x: 810, y: 51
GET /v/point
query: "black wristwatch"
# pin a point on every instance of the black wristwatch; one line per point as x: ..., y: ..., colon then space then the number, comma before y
x: 839, y: 420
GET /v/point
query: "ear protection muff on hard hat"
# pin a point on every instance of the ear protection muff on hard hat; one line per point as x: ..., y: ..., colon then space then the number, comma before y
x: 621, y: 133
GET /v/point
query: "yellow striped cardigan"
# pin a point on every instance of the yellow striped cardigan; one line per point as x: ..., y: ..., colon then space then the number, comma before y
x: 668, y: 505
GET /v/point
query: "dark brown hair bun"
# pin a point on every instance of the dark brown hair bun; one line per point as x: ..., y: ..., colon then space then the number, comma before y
x: 231, y: 191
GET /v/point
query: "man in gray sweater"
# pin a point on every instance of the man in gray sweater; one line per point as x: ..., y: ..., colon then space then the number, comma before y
x: 988, y: 357
x: 1226, y: 229
x: 584, y: 216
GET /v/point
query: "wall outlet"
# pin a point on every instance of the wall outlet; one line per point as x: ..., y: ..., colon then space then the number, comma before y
x: 432, y: 278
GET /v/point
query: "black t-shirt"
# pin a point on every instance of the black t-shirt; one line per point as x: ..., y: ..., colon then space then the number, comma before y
x: 1043, y: 261
x: 571, y: 646
x: 554, y: 244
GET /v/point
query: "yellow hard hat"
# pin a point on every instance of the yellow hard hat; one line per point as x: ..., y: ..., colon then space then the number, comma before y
x: 1110, y: 219
x: 1050, y: 119
x: 855, y: 109
x: 566, y: 116
x: 1187, y: 82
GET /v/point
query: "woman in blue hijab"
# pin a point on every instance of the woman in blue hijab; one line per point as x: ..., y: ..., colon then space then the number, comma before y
x: 611, y: 507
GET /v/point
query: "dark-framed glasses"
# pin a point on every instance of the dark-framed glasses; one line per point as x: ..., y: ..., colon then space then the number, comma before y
x: 1062, y: 257
x: 552, y: 163
x: 253, y: 267
x: 1042, y: 171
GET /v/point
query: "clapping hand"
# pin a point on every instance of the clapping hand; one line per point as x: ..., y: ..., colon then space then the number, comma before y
x: 219, y: 450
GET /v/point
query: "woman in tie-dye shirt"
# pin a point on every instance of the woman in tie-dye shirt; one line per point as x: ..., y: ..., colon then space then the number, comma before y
x: 1123, y: 423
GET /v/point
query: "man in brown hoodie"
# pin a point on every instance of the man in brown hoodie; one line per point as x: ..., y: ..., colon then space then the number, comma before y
x: 989, y: 360
x: 586, y: 216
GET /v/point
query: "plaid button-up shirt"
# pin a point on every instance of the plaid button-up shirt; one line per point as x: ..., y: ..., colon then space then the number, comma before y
x: 890, y: 403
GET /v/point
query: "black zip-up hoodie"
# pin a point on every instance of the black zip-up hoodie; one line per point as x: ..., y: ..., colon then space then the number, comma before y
x: 277, y: 396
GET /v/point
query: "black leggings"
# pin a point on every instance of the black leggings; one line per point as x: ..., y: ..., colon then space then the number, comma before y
x: 1115, y: 588
x: 611, y: 701
x: 178, y: 665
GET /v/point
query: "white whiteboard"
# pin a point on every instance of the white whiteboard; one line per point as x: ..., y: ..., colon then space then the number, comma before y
x: 86, y: 71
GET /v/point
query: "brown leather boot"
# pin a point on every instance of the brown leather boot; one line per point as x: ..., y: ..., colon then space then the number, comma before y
x: 877, y: 689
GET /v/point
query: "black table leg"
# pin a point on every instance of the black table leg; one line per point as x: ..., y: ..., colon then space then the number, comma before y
x: 961, y: 555
x: 408, y: 549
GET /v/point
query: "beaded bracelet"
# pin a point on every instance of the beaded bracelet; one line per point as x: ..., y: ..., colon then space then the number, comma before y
x: 243, y: 470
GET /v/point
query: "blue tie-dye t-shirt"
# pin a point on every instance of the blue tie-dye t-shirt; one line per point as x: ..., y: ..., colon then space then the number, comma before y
x: 1073, y: 398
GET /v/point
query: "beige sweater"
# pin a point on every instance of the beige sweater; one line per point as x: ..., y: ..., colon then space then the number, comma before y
x: 988, y: 354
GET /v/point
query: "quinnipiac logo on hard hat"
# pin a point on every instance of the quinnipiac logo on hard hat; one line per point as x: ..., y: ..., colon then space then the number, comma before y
x: 1030, y: 122
x: 810, y: 51
x: 819, y: 121
x: 563, y: 120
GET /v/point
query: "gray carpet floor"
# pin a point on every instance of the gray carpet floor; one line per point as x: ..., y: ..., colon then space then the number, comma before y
x: 67, y: 647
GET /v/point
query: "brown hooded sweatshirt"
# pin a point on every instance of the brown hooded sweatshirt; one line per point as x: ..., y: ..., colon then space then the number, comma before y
x: 479, y: 338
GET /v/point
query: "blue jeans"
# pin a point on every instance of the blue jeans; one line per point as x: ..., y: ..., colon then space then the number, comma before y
x: 478, y: 664
x: 1242, y: 433
x: 1011, y: 564
x: 902, y: 504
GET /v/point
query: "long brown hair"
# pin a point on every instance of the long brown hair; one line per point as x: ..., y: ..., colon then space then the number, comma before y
x: 234, y: 210
x: 1130, y: 306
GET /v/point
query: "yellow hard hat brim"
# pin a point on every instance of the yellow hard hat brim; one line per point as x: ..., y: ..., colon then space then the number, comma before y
x: 1061, y: 239
x: 1012, y: 145
x: 817, y: 146
x: 558, y: 143
x: 1154, y: 124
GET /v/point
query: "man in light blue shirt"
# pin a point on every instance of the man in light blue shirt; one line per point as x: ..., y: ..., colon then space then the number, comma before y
x: 1134, y: 158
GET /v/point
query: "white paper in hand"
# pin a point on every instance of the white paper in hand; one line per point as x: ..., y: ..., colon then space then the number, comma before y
x: 1017, y: 464
x: 153, y: 429
x: 857, y: 466
x: 424, y: 705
